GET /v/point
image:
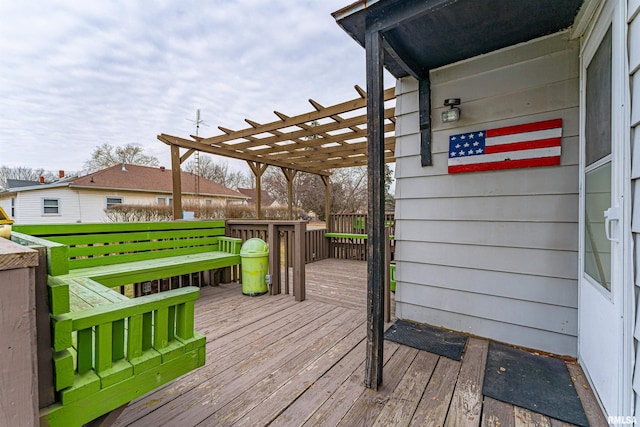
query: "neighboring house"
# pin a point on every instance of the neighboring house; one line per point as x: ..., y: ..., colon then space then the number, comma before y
x: 85, y: 198
x: 541, y: 257
x: 266, y: 199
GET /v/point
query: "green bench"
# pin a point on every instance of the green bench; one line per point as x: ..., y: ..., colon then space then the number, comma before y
x: 110, y: 349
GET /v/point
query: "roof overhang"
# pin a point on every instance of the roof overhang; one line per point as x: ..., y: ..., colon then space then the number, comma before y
x: 421, y: 35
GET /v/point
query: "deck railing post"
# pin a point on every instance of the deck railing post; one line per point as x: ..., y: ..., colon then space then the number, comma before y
x: 299, y: 232
x: 274, y: 257
x: 18, y: 352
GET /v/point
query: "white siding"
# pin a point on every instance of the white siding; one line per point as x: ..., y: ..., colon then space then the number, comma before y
x: 5, y: 204
x: 29, y: 206
x: 492, y: 253
x: 634, y: 70
x: 80, y: 204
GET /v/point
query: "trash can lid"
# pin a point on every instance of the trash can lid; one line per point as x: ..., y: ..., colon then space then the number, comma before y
x: 254, y: 247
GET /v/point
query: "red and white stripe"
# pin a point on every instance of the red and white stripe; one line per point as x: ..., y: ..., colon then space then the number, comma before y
x: 511, y: 147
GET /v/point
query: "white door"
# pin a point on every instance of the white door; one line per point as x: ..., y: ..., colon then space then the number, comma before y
x: 602, y: 165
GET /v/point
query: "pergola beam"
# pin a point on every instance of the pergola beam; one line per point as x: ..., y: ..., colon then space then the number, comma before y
x: 319, y: 143
x: 297, y: 144
x: 322, y: 153
x: 294, y: 143
x: 302, y: 133
x: 185, y: 143
x: 289, y: 174
x: 327, y: 201
x: 354, y: 104
x: 186, y: 155
x: 176, y: 180
x: 258, y: 170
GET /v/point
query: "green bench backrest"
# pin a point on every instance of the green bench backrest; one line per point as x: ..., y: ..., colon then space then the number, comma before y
x: 92, y: 245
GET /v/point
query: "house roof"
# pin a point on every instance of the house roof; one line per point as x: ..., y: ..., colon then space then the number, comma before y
x: 139, y: 178
x: 17, y: 183
x: 265, y: 197
x: 420, y: 35
x: 144, y: 178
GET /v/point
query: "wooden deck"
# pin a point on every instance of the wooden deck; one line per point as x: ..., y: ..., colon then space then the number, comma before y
x: 274, y: 361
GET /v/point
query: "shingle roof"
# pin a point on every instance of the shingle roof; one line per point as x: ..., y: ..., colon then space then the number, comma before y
x: 144, y: 178
x: 17, y: 183
x: 265, y: 197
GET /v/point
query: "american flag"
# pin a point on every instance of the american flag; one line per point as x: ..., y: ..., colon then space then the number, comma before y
x: 521, y: 146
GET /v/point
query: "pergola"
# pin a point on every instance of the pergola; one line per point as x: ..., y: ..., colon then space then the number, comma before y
x: 316, y: 142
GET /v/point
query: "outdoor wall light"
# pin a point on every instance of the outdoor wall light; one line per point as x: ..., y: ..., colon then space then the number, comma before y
x: 452, y: 114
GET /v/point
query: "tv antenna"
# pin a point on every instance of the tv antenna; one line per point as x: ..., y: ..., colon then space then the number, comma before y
x: 198, y: 121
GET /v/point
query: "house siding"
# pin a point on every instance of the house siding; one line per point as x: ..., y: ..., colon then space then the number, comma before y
x: 83, y: 204
x: 5, y: 204
x: 633, y: 34
x: 492, y: 253
x: 29, y: 206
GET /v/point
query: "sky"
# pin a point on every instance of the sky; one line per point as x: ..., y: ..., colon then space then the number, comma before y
x: 76, y: 74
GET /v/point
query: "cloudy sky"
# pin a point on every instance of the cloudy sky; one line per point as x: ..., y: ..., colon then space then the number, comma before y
x: 75, y: 74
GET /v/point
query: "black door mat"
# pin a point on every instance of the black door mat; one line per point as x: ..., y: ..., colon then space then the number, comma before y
x: 445, y: 343
x: 539, y: 383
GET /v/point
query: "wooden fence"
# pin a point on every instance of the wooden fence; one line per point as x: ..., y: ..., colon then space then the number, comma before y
x: 353, y: 223
x: 294, y: 251
x: 293, y: 244
x: 316, y: 246
x: 350, y: 246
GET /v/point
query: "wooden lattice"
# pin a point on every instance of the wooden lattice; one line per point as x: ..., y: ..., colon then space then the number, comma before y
x: 315, y: 142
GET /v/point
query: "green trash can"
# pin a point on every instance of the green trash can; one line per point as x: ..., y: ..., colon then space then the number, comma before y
x: 255, y: 265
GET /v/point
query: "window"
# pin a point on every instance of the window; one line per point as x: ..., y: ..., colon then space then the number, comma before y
x: 113, y: 201
x: 208, y: 202
x: 598, y: 167
x: 51, y: 206
x: 162, y: 200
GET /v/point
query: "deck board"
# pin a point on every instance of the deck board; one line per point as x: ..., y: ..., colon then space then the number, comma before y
x: 403, y: 402
x: 497, y: 414
x: 432, y: 409
x: 274, y: 361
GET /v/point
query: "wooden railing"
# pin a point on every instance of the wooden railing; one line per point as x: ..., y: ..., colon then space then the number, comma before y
x: 317, y: 245
x: 287, y: 249
x: 297, y: 246
x: 351, y: 225
x: 354, y: 223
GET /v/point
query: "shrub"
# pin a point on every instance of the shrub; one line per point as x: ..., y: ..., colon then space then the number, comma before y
x: 151, y: 213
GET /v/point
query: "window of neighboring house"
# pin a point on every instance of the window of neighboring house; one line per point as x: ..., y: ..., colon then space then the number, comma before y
x: 51, y: 206
x: 162, y: 200
x: 208, y: 202
x: 13, y: 207
x: 113, y: 201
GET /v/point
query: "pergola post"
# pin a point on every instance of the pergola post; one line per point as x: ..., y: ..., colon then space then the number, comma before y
x: 375, y: 220
x: 258, y: 169
x: 289, y: 174
x: 326, y: 180
x: 176, y: 182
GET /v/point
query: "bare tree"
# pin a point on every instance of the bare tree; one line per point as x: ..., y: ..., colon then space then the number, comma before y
x: 348, y: 190
x: 23, y: 173
x: 218, y: 172
x: 106, y: 155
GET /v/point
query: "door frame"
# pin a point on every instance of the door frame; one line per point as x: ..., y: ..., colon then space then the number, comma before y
x: 595, y: 23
